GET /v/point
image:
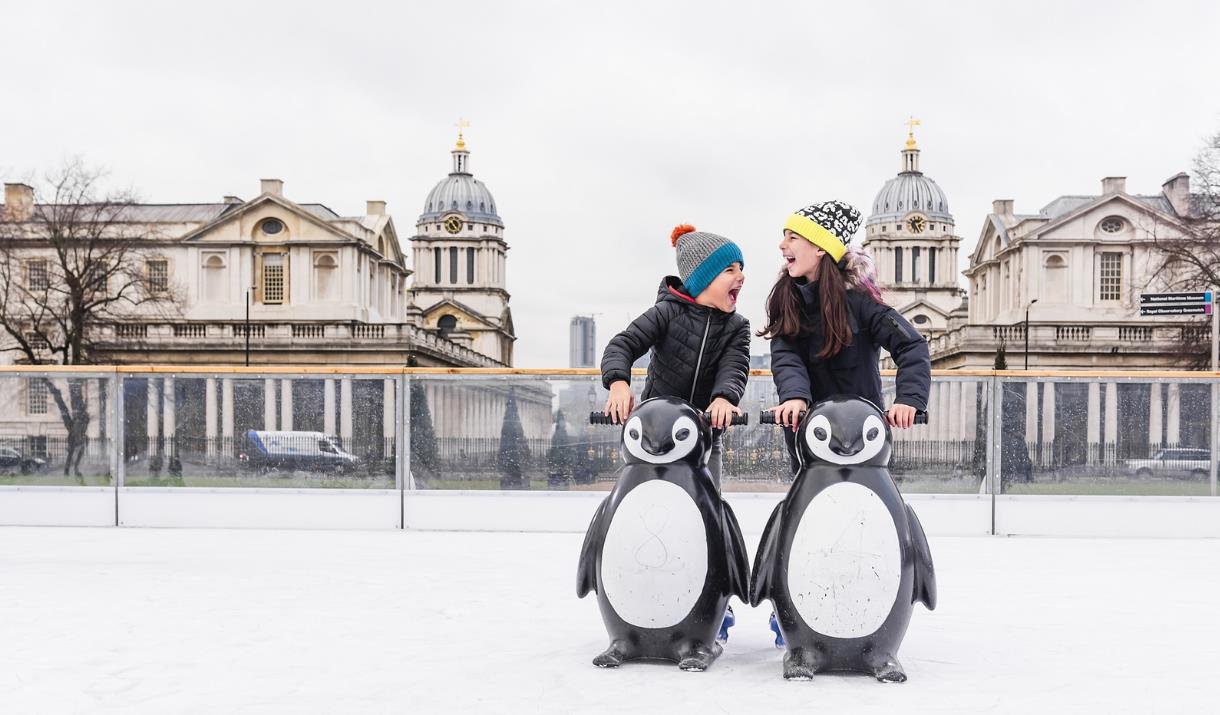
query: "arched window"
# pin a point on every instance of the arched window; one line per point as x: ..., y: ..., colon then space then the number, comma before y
x: 325, y: 268
x: 447, y: 324
x: 214, y: 275
x: 1056, y: 278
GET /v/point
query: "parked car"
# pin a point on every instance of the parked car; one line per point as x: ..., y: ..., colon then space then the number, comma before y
x: 289, y: 451
x: 1180, y: 462
x: 13, y: 461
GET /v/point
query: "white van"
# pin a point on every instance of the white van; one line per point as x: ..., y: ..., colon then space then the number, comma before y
x: 289, y: 451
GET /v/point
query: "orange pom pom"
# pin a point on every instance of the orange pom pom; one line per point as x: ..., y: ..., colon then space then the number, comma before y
x: 679, y: 231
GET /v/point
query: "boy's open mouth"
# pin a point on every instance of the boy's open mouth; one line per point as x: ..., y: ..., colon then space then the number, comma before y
x: 733, y: 294
x: 790, y: 260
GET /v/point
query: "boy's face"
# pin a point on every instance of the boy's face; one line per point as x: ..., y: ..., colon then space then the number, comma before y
x: 721, y: 293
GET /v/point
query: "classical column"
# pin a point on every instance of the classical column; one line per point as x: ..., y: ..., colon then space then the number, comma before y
x: 1155, y: 423
x: 1111, y: 435
x: 226, y: 415
x: 1173, y: 414
x: 171, y: 414
x: 954, y: 414
x: 1048, y: 422
x: 210, y: 416
x: 93, y: 405
x: 1093, y: 424
x: 286, y: 404
x: 269, y: 404
x: 345, y: 411
x: 153, y: 425
x: 328, y: 406
x: 1031, y: 413
x: 387, y: 410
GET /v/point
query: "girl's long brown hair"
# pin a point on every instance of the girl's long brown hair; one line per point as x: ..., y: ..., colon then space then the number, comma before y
x: 785, y: 314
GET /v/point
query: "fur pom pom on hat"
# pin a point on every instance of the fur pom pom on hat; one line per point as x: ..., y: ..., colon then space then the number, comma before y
x: 702, y: 256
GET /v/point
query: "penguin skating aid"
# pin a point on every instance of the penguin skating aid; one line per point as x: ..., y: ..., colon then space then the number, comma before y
x: 664, y: 552
x: 843, y: 559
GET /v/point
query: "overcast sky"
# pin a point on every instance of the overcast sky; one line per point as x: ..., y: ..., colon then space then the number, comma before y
x: 600, y: 127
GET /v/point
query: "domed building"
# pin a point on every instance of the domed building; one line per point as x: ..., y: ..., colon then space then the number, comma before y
x: 910, y: 234
x: 459, y: 258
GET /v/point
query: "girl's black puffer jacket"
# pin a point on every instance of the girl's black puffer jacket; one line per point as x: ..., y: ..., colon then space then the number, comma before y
x: 682, y: 335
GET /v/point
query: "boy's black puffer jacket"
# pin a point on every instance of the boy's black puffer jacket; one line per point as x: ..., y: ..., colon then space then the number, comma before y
x: 677, y: 330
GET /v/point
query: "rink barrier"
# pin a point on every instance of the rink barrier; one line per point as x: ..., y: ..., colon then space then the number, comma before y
x: 404, y: 507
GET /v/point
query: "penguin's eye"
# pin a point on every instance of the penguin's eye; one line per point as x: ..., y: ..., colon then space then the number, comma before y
x: 633, y: 434
x: 872, y: 434
x: 819, y: 434
x: 681, y: 434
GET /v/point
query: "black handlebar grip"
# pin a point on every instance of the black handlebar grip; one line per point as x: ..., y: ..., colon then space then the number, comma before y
x: 768, y: 418
x: 599, y: 418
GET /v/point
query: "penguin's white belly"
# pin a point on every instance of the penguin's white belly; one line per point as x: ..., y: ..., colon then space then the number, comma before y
x: 845, y: 565
x: 654, y: 557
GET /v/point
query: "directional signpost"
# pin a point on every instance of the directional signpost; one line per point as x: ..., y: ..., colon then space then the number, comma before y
x: 1203, y: 303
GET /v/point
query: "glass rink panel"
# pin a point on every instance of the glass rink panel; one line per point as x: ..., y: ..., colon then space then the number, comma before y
x: 56, y: 429
x: 265, y: 431
x: 1122, y: 437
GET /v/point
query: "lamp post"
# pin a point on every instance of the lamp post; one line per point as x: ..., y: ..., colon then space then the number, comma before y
x: 1026, y: 331
x: 247, y: 327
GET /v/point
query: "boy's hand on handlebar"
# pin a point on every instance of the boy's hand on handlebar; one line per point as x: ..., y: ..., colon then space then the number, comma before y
x: 900, y: 416
x: 789, y: 413
x: 618, y: 407
x: 722, y: 411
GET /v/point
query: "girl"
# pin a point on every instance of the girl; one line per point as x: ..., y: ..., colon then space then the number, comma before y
x: 826, y: 322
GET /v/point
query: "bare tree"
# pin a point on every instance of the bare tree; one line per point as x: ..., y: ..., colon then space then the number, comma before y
x: 71, y: 262
x: 1190, y: 262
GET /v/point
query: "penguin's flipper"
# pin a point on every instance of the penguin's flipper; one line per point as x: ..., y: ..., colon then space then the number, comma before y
x: 764, y: 561
x: 925, y: 574
x: 735, y: 550
x: 586, y: 569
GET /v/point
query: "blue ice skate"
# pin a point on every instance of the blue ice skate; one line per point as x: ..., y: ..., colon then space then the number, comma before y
x: 725, y: 625
x: 779, y: 637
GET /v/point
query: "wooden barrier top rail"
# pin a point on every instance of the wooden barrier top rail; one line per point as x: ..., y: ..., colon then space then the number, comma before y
x: 1133, y: 375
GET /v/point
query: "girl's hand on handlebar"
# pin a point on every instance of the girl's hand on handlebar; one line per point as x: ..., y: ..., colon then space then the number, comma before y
x: 789, y: 413
x: 618, y: 407
x: 722, y: 411
x: 901, y: 416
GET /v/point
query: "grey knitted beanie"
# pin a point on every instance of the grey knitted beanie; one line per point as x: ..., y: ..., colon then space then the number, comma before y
x: 702, y: 256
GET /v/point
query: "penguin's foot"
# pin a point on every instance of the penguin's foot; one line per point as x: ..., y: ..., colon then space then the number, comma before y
x: 888, y: 670
x: 700, y: 657
x: 800, y: 664
x: 613, y: 656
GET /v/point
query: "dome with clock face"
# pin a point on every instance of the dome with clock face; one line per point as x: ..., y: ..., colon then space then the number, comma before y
x: 910, y: 197
x: 460, y: 197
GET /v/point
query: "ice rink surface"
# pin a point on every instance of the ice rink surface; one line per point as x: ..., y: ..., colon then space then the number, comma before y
x: 222, y: 621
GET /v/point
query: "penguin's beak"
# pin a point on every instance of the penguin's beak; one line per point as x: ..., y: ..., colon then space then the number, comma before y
x: 657, y: 448
x: 846, y: 449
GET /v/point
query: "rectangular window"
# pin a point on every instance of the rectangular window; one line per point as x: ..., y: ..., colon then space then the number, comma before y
x: 915, y: 264
x: 436, y: 253
x: 36, y: 396
x: 897, y: 265
x: 470, y: 265
x: 932, y: 265
x: 273, y: 278
x: 453, y: 265
x: 36, y: 276
x: 156, y: 275
x: 1110, y: 286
